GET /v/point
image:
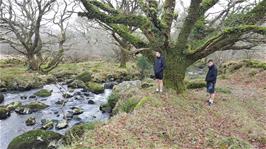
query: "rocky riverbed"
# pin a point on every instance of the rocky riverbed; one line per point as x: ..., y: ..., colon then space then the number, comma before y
x: 58, y: 111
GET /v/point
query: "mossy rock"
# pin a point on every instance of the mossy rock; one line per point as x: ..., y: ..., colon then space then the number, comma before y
x: 233, y: 143
x: 35, y: 139
x: 47, y: 124
x: 24, y: 83
x: 78, y: 131
x: 36, y: 105
x: 85, y: 76
x: 77, y: 84
x: 13, y: 105
x: 106, y: 108
x: 148, y: 82
x: 194, y: 84
x: 96, y: 88
x: 4, y: 113
x: 43, y: 93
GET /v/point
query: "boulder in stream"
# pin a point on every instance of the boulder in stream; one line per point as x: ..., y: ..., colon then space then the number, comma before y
x: 110, y: 85
x: 23, y: 97
x: 47, y: 124
x: 77, y: 111
x: 85, y: 76
x: 4, y: 113
x: 23, y: 110
x: 96, y: 88
x: 33, y: 97
x: 43, y: 93
x: 77, y: 84
x: 13, y: 105
x: 61, y: 124
x: 127, y: 85
x: 30, y: 121
x: 69, y: 115
x: 35, y: 139
x: 36, y: 106
x: 87, y: 94
x: 91, y: 102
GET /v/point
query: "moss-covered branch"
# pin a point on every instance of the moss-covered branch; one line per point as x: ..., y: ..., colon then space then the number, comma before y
x: 196, y: 10
x: 252, y: 17
x: 123, y: 32
x: 168, y: 17
x: 104, y: 7
x: 224, y: 40
x: 94, y: 12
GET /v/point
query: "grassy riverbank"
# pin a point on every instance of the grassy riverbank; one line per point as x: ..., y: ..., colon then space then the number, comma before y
x: 147, y: 120
x: 14, y: 74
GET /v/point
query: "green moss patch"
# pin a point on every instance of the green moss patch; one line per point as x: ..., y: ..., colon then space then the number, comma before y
x: 36, y: 105
x: 85, y: 76
x: 13, y: 105
x: 142, y: 102
x: 255, y: 64
x: 4, y: 113
x: 78, y: 131
x: 127, y: 105
x: 96, y: 88
x: 233, y: 143
x: 196, y: 84
x: 34, y: 139
x: 112, y: 100
x: 43, y: 93
x: 223, y: 90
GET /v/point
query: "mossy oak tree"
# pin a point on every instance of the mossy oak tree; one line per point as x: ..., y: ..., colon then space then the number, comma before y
x: 154, y: 20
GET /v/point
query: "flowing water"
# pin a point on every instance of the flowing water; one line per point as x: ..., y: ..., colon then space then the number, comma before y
x: 15, y: 124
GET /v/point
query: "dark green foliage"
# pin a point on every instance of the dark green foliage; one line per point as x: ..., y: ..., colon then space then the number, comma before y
x: 255, y: 64
x: 112, y: 99
x: 199, y: 31
x: 144, y: 65
x: 196, y: 84
x: 85, y: 76
x: 128, y: 105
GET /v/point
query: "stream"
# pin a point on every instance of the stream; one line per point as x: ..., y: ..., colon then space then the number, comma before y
x: 15, y: 124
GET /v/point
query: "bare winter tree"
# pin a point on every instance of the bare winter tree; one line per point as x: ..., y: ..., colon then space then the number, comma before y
x: 126, y: 7
x: 62, y: 10
x: 22, y: 19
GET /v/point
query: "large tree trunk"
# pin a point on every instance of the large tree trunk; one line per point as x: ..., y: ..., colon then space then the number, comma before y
x: 175, y: 71
x: 123, y: 58
x: 32, y: 62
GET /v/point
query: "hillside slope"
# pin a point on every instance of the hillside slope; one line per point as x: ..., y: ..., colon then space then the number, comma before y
x: 237, y: 119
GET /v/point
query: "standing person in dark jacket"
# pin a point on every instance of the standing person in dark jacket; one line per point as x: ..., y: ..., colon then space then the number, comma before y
x: 159, y: 66
x: 211, y: 80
